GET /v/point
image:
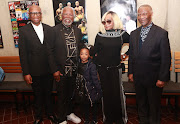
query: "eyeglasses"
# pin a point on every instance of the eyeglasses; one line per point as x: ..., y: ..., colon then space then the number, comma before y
x: 35, y: 13
x: 108, y: 22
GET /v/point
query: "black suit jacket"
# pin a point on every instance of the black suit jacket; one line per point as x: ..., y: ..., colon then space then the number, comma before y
x: 59, y: 47
x: 33, y: 54
x: 152, y: 61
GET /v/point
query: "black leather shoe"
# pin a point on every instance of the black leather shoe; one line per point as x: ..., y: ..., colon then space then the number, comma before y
x: 53, y: 119
x: 86, y: 122
x: 38, y: 121
x: 94, y: 122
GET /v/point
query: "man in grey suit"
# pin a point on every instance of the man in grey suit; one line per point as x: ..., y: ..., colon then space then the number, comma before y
x: 33, y: 52
x: 149, y: 64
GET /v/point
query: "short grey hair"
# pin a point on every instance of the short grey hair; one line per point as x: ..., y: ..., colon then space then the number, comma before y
x: 148, y: 6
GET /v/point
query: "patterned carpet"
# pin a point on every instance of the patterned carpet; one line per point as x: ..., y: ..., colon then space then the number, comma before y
x: 8, y: 115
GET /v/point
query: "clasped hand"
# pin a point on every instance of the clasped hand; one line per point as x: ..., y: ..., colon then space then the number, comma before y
x: 57, y: 76
x: 160, y: 84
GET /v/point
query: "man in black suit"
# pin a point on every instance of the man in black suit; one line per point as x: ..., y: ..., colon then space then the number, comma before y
x: 149, y: 64
x: 66, y: 51
x: 33, y: 53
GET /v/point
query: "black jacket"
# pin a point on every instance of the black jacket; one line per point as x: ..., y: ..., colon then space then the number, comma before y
x: 92, y: 82
x: 59, y: 47
x: 152, y: 61
x: 33, y: 54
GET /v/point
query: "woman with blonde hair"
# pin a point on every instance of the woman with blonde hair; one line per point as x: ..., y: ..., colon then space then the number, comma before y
x: 107, y: 53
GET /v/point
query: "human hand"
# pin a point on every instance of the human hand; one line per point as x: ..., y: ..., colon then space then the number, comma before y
x: 131, y: 77
x: 123, y: 57
x: 57, y: 75
x: 160, y: 84
x: 28, y: 79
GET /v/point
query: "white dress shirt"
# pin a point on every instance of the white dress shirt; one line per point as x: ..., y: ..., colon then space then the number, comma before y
x: 39, y: 31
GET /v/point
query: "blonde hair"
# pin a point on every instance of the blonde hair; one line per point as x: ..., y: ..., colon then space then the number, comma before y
x: 117, y: 22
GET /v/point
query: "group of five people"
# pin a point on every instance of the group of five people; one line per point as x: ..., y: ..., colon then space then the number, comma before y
x: 57, y: 53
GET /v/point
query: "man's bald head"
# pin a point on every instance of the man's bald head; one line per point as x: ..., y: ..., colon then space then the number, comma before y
x: 34, y: 7
x: 35, y: 14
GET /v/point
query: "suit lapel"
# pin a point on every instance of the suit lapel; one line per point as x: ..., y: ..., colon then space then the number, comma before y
x: 34, y: 35
x: 137, y: 40
x: 62, y: 36
x: 45, y: 33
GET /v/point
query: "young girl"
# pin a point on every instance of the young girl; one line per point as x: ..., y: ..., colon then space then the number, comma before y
x: 88, y: 86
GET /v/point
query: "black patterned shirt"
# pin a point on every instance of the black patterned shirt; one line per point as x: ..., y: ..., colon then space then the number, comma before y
x: 71, y: 61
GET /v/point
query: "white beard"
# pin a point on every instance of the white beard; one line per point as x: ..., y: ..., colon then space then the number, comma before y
x: 67, y: 21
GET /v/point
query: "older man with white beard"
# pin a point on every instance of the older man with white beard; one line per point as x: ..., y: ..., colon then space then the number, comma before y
x: 66, y: 50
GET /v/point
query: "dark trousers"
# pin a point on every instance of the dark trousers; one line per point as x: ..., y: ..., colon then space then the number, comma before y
x: 42, y: 88
x: 86, y: 110
x: 148, y: 100
x: 65, y: 89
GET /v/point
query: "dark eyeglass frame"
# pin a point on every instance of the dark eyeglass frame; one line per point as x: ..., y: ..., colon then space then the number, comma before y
x: 35, y: 13
x: 108, y: 22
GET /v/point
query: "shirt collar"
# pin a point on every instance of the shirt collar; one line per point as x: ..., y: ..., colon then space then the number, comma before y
x: 40, y: 25
x: 66, y: 27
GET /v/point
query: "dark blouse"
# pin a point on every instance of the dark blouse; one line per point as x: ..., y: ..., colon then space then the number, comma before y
x: 108, y: 47
x: 82, y: 67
